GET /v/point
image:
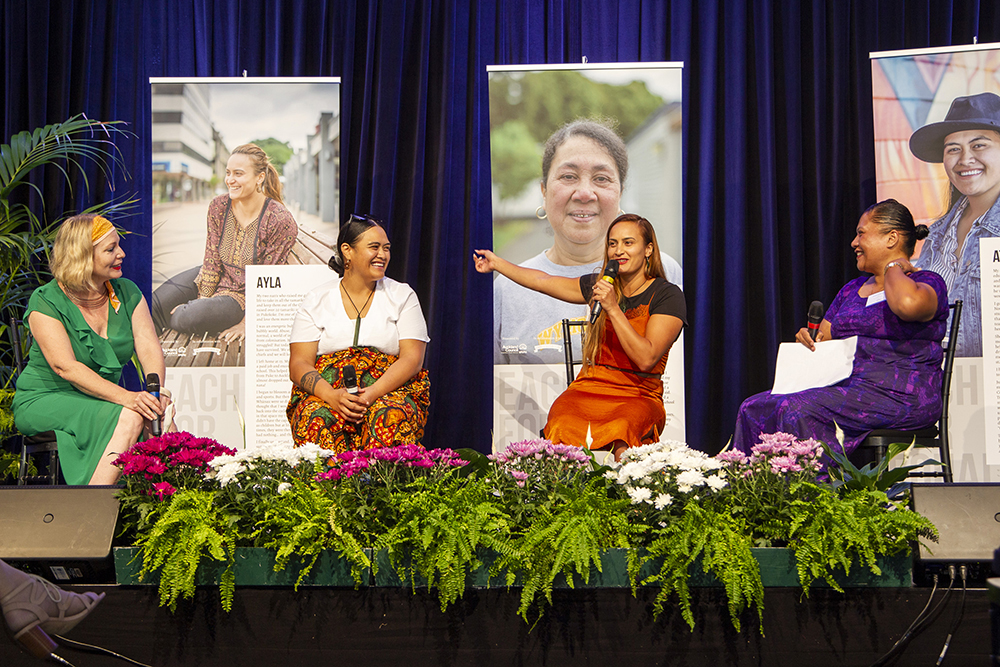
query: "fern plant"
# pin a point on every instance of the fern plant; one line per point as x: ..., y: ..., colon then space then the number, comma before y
x: 186, y: 531
x: 566, y: 537
x: 442, y: 529
x: 831, y: 532
x: 705, y: 533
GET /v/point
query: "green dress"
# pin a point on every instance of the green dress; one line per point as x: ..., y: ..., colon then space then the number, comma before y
x: 46, y: 402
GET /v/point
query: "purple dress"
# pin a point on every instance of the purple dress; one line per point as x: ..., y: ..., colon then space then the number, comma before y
x: 896, y: 381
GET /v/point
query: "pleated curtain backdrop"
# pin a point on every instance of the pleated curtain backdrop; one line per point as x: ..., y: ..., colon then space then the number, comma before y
x: 778, y: 150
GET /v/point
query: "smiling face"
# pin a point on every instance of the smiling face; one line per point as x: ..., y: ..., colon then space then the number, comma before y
x: 369, y: 256
x: 582, y: 192
x: 972, y: 162
x: 627, y: 247
x: 870, y: 245
x: 108, y: 256
x: 241, y: 179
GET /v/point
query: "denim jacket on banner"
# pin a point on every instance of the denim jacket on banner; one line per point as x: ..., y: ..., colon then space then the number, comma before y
x: 961, y: 275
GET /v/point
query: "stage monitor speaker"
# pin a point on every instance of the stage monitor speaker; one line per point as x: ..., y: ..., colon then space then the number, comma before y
x: 967, y: 517
x: 62, y: 533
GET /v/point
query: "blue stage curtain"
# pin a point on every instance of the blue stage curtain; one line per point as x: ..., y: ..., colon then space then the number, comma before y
x: 778, y: 147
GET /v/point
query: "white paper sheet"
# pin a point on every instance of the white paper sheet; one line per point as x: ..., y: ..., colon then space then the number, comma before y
x: 798, y: 368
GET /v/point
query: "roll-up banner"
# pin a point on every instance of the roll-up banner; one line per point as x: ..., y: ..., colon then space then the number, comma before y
x: 935, y: 153
x: 642, y: 103
x: 205, y: 181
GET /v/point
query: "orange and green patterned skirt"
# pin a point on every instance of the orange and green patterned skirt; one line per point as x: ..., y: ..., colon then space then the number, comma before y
x: 398, y: 418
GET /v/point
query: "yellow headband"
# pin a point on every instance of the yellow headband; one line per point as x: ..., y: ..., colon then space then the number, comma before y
x: 101, y: 228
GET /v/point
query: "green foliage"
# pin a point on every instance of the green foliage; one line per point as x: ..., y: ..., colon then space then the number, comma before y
x: 278, y: 152
x: 24, y: 235
x: 515, y: 158
x: 544, y: 101
x: 442, y: 527
x: 300, y: 525
x: 831, y: 532
x: 874, y: 477
x: 185, y: 531
x: 10, y: 463
x: 721, y: 542
x: 566, y: 537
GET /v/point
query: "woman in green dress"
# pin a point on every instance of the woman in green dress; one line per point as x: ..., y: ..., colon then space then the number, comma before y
x: 86, y: 324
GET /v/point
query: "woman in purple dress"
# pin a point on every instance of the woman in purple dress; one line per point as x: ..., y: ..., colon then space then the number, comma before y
x: 899, y: 315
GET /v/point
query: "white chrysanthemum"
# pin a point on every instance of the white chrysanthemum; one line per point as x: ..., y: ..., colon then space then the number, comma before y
x: 284, y: 486
x: 691, y: 478
x: 715, y: 482
x: 662, y: 500
x: 639, y: 494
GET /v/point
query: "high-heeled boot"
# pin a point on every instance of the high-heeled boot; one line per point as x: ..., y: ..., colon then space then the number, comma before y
x: 34, y: 607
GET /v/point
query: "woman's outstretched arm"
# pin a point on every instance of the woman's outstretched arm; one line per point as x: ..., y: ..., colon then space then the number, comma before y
x: 564, y: 289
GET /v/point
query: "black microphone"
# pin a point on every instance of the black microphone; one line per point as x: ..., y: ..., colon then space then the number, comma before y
x: 815, y: 316
x: 610, y: 272
x: 153, y: 387
x: 350, y: 378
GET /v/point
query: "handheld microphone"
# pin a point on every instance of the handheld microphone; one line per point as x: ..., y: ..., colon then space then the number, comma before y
x: 610, y: 272
x: 350, y: 378
x: 153, y: 387
x: 814, y: 318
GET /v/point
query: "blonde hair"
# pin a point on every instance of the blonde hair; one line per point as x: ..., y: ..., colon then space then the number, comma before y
x: 653, y: 269
x: 72, y: 259
x: 262, y: 164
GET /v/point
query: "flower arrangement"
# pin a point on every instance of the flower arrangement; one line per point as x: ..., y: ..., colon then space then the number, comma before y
x: 528, y: 515
x: 666, y: 475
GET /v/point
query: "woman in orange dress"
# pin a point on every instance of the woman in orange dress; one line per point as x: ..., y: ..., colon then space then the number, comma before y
x: 616, y: 401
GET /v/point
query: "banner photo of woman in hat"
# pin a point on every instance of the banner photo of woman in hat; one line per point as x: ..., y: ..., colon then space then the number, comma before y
x: 967, y: 144
x: 934, y: 108
x: 936, y: 116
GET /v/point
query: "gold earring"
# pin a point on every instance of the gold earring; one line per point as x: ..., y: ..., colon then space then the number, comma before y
x: 540, y: 213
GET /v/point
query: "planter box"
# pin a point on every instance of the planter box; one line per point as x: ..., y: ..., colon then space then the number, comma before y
x: 777, y: 570
x: 254, y: 567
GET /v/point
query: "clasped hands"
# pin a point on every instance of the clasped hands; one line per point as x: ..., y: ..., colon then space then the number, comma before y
x: 352, y: 407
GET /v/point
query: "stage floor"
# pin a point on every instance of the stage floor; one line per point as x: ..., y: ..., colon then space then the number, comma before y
x: 393, y: 626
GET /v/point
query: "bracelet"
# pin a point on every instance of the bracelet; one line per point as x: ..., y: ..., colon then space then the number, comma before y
x: 892, y: 264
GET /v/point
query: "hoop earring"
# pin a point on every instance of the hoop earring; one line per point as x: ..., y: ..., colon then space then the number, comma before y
x: 620, y: 213
x: 540, y: 213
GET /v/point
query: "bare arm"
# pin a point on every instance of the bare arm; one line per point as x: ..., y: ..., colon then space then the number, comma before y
x: 58, y: 352
x: 644, y: 351
x: 909, y: 300
x: 564, y: 289
x: 302, y: 371
x: 409, y: 363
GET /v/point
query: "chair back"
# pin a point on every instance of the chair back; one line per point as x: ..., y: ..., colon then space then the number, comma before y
x: 949, y: 363
x: 567, y: 326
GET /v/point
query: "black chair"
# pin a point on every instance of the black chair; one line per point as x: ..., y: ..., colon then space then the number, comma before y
x: 935, y: 436
x: 41, y: 444
x: 571, y: 363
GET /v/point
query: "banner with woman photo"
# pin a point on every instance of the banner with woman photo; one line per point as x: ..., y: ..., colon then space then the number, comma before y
x: 630, y: 127
x: 937, y: 150
x: 244, y: 172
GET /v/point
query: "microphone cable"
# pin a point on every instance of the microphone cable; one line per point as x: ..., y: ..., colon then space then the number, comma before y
x: 958, y: 617
x: 918, y: 623
x: 100, y: 650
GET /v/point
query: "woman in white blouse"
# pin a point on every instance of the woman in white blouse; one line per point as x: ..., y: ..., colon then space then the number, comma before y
x: 372, y: 324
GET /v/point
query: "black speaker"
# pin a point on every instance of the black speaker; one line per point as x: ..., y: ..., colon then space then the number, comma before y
x: 62, y: 533
x: 967, y: 517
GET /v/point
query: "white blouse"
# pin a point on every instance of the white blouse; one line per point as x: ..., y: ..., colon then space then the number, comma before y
x: 394, y: 315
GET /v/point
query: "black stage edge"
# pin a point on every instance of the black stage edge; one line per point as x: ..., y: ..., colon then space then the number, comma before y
x: 393, y: 626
